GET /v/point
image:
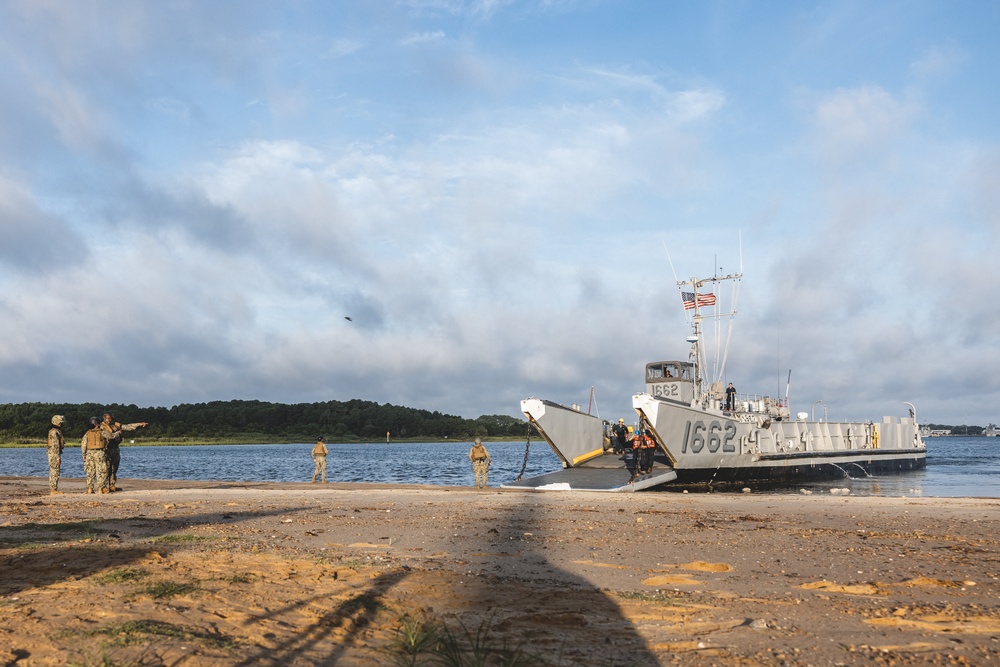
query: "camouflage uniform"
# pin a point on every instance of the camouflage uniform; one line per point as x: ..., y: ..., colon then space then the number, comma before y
x: 481, y: 461
x: 54, y: 450
x: 319, y: 453
x: 113, y: 434
x: 95, y: 459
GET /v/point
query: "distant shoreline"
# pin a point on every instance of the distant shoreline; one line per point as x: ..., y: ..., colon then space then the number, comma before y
x: 263, y: 441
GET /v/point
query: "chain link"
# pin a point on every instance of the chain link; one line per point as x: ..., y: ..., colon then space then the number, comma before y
x: 527, y: 447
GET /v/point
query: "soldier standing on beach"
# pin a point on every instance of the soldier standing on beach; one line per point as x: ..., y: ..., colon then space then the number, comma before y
x: 95, y: 457
x: 55, y: 448
x: 113, y: 432
x: 319, y: 452
x: 481, y: 461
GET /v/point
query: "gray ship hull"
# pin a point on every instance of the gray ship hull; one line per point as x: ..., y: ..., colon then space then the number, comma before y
x: 711, y: 445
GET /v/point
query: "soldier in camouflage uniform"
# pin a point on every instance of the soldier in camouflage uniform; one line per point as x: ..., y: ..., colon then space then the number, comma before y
x: 481, y: 461
x: 319, y: 453
x: 55, y: 448
x: 95, y: 457
x: 113, y: 433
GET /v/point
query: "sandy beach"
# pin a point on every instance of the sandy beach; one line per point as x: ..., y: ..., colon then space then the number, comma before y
x: 188, y: 573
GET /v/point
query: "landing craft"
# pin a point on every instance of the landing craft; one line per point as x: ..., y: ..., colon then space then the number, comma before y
x: 705, y: 437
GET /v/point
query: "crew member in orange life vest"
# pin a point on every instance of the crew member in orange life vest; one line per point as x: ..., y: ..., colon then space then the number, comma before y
x: 645, y: 448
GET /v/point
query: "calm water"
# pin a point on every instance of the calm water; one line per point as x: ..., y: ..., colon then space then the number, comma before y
x: 955, y: 466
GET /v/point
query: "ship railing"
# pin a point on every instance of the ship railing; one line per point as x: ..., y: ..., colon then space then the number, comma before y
x: 754, y: 404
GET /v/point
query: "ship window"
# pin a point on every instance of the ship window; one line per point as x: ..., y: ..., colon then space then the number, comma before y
x: 664, y: 372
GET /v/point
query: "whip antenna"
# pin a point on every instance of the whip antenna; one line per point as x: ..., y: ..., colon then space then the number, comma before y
x: 669, y: 261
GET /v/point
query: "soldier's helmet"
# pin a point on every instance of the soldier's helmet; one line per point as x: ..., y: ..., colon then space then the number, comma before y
x: 58, y: 420
x: 94, y: 421
x: 479, y: 441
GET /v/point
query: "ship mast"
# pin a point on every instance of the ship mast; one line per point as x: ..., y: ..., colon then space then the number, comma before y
x: 696, y: 324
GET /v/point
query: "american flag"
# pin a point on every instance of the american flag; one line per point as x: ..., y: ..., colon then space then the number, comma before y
x: 703, y: 300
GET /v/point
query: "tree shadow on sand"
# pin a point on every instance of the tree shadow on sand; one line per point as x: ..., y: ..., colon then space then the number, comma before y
x: 512, y: 597
x: 42, y: 554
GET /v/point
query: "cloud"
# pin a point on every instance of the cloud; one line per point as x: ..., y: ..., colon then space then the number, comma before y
x: 938, y: 63
x: 483, y: 9
x: 34, y: 241
x: 984, y: 179
x: 71, y: 115
x: 422, y: 38
x: 344, y: 47
x: 852, y: 124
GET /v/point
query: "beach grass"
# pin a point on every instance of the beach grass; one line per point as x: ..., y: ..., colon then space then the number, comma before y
x: 139, y: 631
x: 168, y: 589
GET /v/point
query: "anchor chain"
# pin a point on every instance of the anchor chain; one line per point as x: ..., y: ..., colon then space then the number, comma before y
x: 527, y: 447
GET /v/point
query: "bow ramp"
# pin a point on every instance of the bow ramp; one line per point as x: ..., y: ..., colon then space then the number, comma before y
x: 578, y: 440
x: 605, y: 474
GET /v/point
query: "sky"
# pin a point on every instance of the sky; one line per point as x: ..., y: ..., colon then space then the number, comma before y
x: 501, y: 195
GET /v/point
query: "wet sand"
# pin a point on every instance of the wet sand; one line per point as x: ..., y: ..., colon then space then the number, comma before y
x: 188, y: 573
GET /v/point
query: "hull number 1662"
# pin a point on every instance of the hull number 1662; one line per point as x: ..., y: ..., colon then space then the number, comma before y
x: 714, y: 435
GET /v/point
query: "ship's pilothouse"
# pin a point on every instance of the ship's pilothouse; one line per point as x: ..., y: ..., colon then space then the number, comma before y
x: 672, y: 380
x: 675, y: 381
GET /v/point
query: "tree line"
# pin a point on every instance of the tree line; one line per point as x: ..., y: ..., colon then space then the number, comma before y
x: 960, y: 429
x: 258, y: 421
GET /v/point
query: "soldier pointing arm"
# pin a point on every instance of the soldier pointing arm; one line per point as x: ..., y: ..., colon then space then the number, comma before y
x: 113, y: 433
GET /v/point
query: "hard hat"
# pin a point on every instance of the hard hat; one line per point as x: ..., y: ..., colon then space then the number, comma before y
x: 631, y: 430
x: 58, y: 420
x: 621, y: 421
